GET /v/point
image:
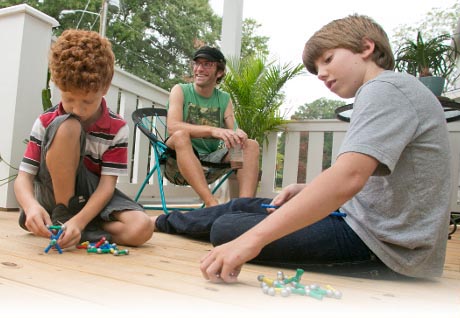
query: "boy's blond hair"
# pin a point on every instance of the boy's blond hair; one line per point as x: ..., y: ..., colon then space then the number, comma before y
x: 81, y: 60
x: 348, y: 33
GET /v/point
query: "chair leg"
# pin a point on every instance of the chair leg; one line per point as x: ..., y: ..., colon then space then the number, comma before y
x: 146, y: 180
x: 162, y: 193
x: 157, y: 169
x: 224, y: 178
x: 160, y: 184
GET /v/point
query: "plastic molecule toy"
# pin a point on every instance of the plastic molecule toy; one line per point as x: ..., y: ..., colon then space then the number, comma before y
x: 56, y: 231
x: 102, y: 247
x: 286, y: 286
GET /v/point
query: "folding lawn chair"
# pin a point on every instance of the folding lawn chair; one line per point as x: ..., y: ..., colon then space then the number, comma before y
x: 152, y: 123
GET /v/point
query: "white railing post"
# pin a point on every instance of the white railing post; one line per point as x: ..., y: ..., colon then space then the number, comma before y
x: 25, y: 34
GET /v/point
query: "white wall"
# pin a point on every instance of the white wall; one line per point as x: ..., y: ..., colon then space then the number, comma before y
x: 25, y: 34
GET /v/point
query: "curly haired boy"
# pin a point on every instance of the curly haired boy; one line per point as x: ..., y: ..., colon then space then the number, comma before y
x: 76, y: 152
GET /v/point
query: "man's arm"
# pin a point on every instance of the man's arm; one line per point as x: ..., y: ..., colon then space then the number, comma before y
x: 175, y: 120
x: 229, y: 116
x: 238, y: 135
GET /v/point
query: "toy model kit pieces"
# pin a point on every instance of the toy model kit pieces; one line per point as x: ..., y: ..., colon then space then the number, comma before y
x: 285, y: 286
x: 56, y: 231
x: 103, y: 246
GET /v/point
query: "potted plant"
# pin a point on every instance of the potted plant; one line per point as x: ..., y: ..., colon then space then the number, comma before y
x: 431, y: 60
x: 255, y: 87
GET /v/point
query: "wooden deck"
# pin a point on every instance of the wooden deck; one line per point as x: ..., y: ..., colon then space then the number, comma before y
x: 162, y: 279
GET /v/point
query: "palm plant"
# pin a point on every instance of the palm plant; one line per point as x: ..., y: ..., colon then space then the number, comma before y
x: 255, y: 88
x: 435, y: 57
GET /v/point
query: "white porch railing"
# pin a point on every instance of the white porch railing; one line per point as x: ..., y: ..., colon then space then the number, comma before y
x: 23, y: 77
x: 314, y: 155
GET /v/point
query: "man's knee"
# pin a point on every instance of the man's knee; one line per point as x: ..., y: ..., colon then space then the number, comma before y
x: 252, y: 147
x: 179, y: 139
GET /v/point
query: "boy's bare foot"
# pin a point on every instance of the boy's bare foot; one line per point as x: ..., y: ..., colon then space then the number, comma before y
x: 212, y: 202
x: 154, y: 219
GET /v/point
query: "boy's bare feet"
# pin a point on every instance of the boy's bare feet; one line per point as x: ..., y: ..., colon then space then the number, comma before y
x: 154, y: 219
x: 212, y: 202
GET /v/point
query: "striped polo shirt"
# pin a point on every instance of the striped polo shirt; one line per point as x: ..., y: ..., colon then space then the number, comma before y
x: 106, y: 150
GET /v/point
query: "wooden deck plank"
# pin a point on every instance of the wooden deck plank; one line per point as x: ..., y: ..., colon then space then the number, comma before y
x: 162, y: 277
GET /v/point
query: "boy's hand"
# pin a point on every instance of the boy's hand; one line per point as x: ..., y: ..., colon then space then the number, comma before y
x: 71, y: 236
x: 286, y: 194
x: 224, y: 262
x: 36, y: 221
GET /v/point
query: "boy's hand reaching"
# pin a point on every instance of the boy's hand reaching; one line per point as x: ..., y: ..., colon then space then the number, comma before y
x: 224, y: 262
x: 71, y: 235
x: 286, y: 194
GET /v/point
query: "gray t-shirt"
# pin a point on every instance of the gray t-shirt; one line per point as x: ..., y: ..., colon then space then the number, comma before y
x: 402, y: 213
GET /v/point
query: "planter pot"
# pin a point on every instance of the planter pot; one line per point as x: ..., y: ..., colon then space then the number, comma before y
x: 434, y: 83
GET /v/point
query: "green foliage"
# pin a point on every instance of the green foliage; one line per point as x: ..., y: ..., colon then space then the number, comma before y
x: 436, y: 56
x: 252, y: 44
x: 255, y: 88
x: 322, y: 108
x: 153, y: 40
x: 46, y: 94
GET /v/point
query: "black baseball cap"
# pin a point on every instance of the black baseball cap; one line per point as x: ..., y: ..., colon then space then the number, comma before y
x: 210, y: 53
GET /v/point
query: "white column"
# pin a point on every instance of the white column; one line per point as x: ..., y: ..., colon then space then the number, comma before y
x: 232, y: 21
x: 25, y: 34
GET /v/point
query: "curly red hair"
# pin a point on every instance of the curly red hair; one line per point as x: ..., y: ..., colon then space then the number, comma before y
x: 81, y: 60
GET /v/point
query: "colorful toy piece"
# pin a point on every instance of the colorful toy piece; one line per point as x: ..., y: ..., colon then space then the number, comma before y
x: 55, y: 237
x: 286, y: 286
x: 103, y: 246
x: 120, y: 252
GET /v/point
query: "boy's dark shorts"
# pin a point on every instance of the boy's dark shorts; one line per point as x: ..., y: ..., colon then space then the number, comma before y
x: 86, y: 182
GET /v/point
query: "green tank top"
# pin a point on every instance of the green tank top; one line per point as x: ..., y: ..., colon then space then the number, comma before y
x: 199, y: 110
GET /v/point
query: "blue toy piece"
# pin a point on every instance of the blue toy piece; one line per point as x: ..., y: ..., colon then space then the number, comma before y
x: 54, y: 237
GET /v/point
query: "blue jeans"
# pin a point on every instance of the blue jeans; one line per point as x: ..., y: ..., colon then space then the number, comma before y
x: 328, y: 246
